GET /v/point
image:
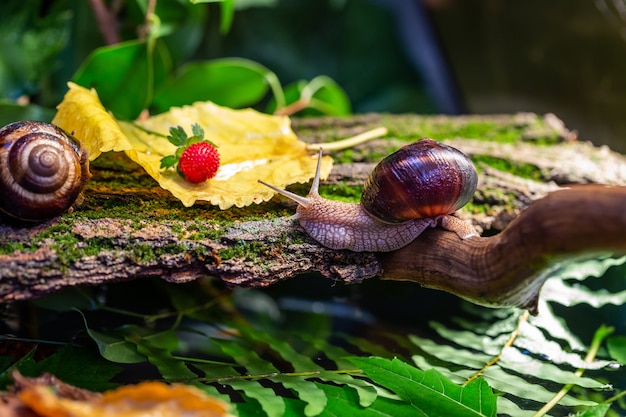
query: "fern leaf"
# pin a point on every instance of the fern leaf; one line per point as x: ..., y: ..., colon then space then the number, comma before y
x: 543, y: 342
x: 452, y: 354
x: 592, y: 268
x: 506, y: 407
x: 515, y: 360
x: 343, y: 401
x: 161, y: 357
x: 273, y: 405
x: 254, y: 365
x: 568, y: 295
x: 429, y: 391
x: 554, y: 326
x: 303, y: 363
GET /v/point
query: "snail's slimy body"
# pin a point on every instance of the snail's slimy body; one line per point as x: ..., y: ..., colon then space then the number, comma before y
x: 396, y: 219
x: 339, y: 225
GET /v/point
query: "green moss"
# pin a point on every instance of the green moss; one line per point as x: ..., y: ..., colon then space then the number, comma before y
x: 242, y: 250
x: 7, y: 248
x: 143, y: 253
x: 520, y: 169
x: 342, y: 193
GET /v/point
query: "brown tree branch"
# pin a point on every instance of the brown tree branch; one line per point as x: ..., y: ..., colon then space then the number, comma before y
x: 510, y: 268
x: 106, y: 21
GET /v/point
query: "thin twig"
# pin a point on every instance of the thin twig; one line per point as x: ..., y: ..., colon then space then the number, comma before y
x: 305, y: 374
x: 106, y: 21
x: 522, y: 319
x: 298, y: 105
x: 598, y: 338
x: 349, y: 142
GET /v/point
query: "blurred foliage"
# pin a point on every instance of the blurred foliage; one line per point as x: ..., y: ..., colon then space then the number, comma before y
x: 311, y: 57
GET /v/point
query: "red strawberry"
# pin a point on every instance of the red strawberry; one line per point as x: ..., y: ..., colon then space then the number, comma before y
x: 199, y: 162
x: 196, y: 159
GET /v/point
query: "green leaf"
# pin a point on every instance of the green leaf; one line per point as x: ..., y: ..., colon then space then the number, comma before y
x: 304, y: 363
x: 617, y: 348
x: 177, y: 136
x: 24, y: 364
x: 599, y: 410
x: 230, y: 82
x: 248, y: 358
x: 115, y: 349
x: 158, y: 350
x: 81, y: 367
x: 322, y: 96
x: 197, y: 130
x: 112, y: 346
x: 429, y: 391
x: 272, y: 404
x: 328, y: 97
x: 168, y: 161
x: 11, y: 112
x: 124, y: 75
x: 343, y: 401
x: 594, y: 268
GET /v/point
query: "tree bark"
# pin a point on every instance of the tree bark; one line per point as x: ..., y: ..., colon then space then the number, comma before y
x: 129, y: 228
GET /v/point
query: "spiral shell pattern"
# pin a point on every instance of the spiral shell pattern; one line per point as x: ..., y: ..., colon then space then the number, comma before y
x: 423, y: 179
x: 42, y: 170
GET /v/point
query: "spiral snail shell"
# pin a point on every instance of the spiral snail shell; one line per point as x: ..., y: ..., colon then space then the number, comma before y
x: 42, y: 170
x: 414, y: 188
x: 424, y: 179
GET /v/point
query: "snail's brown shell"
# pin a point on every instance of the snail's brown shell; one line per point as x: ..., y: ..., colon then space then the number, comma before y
x: 43, y: 170
x: 424, y: 179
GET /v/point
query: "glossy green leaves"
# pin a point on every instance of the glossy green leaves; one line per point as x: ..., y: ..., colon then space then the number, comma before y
x: 229, y: 82
x: 137, y: 75
x: 124, y: 75
x: 429, y: 393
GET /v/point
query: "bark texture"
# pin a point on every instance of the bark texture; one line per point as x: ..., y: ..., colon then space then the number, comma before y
x: 129, y: 228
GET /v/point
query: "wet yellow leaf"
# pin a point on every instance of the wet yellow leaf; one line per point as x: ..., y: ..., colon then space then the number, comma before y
x: 146, y: 398
x: 252, y: 146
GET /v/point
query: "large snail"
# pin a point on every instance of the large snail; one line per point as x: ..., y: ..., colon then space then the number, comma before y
x: 42, y: 170
x: 415, y: 188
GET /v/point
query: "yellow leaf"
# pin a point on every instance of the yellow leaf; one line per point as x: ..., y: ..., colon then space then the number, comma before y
x: 251, y: 145
x: 81, y: 114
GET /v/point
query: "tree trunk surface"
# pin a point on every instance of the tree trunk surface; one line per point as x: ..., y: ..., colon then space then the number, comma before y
x: 129, y: 228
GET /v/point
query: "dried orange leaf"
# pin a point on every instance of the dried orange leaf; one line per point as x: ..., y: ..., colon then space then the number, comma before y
x: 147, y: 398
x: 252, y: 146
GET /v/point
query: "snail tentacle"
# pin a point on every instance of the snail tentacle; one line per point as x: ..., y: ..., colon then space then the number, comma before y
x: 415, y: 188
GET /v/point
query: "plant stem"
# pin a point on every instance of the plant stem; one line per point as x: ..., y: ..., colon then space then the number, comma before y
x: 349, y: 142
x: 615, y: 397
x: 305, y: 374
x: 106, y: 20
x: 522, y: 318
x: 148, y: 131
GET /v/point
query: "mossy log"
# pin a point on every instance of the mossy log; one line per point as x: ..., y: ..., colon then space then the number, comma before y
x: 129, y: 228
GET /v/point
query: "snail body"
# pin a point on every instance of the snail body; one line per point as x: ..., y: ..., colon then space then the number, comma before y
x: 415, y: 188
x: 43, y: 170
